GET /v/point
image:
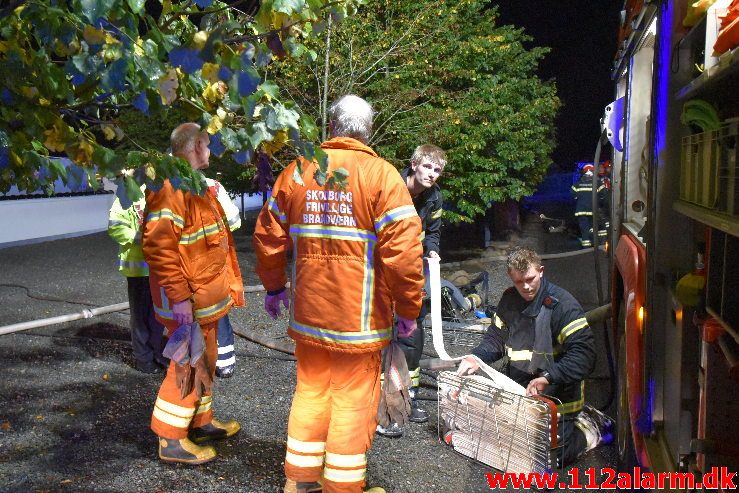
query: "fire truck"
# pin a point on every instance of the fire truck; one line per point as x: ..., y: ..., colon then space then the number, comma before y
x: 674, y: 235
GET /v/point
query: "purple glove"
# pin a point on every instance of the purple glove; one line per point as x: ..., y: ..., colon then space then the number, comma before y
x: 272, y: 302
x: 406, y: 326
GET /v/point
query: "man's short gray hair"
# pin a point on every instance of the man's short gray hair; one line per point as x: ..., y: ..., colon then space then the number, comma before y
x: 183, y: 138
x: 351, y: 116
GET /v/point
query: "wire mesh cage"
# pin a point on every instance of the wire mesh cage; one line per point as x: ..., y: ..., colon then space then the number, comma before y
x: 506, y: 431
x: 461, y: 329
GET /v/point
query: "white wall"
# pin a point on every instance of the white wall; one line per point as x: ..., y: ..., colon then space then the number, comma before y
x: 41, y: 219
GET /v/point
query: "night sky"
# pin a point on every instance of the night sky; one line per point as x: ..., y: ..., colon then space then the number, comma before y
x: 582, y: 35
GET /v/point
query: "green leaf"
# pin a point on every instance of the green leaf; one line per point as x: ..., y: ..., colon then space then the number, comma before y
x: 259, y: 134
x: 341, y: 173
x: 288, y: 6
x: 136, y: 5
x: 95, y: 9
x: 279, y: 117
x: 320, y: 177
x: 133, y: 191
x: 270, y: 88
x: 322, y: 158
x: 136, y: 159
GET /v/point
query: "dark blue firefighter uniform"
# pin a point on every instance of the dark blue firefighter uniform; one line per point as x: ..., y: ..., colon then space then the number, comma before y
x: 549, y: 334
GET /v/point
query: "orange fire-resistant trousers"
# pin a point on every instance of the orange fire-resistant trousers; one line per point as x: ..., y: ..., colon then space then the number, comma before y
x: 333, y: 417
x: 173, y: 416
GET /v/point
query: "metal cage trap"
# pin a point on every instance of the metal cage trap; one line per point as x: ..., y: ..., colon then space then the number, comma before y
x: 506, y: 431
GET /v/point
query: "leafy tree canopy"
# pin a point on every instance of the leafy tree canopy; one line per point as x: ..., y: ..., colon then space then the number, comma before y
x: 444, y: 73
x: 71, y: 66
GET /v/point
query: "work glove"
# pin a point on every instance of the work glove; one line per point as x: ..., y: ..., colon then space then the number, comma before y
x: 203, y: 381
x: 197, y: 344
x: 178, y: 346
x: 406, y: 326
x: 183, y: 374
x: 272, y: 302
x: 395, y: 401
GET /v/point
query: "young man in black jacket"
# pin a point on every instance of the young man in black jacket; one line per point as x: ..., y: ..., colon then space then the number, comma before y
x: 427, y: 164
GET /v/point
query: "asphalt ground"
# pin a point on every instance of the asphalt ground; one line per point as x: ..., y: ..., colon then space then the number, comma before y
x: 74, y: 414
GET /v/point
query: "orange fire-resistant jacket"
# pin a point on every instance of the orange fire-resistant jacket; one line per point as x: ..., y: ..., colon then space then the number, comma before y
x: 356, y: 252
x: 191, y: 254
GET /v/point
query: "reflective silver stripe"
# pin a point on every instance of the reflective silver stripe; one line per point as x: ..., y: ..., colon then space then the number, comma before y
x: 344, y: 475
x: 304, y: 460
x: 222, y: 363
x: 306, y: 447
x: 395, y: 215
x: 225, y: 349
x: 498, y: 322
x: 341, y: 460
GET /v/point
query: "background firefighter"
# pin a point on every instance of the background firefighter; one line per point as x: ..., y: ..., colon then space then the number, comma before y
x: 356, y: 254
x: 194, y: 274
x: 124, y: 226
x: 583, y: 190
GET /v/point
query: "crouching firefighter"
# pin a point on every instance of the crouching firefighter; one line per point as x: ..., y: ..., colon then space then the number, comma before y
x: 542, y: 330
x: 195, y: 277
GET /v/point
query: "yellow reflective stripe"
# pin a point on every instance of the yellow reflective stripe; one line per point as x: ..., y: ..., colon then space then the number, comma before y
x: 601, y: 188
x: 174, y: 408
x: 571, y: 328
x: 331, y: 232
x: 498, y: 322
x: 422, y: 236
x: 206, y: 403
x: 583, y: 213
x: 306, y: 447
x: 342, y: 337
x: 304, y: 460
x: 200, y: 234
x: 171, y: 419
x: 574, y: 406
x: 172, y: 414
x: 368, y: 288
x: 234, y: 222
x: 436, y: 214
x: 395, y: 215
x: 343, y: 475
x: 166, y: 214
x: 341, y: 460
x: 212, y: 309
x: 519, y: 355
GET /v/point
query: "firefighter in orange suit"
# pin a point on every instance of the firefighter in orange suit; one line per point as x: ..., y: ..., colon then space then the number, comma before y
x: 194, y: 275
x: 356, y: 254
